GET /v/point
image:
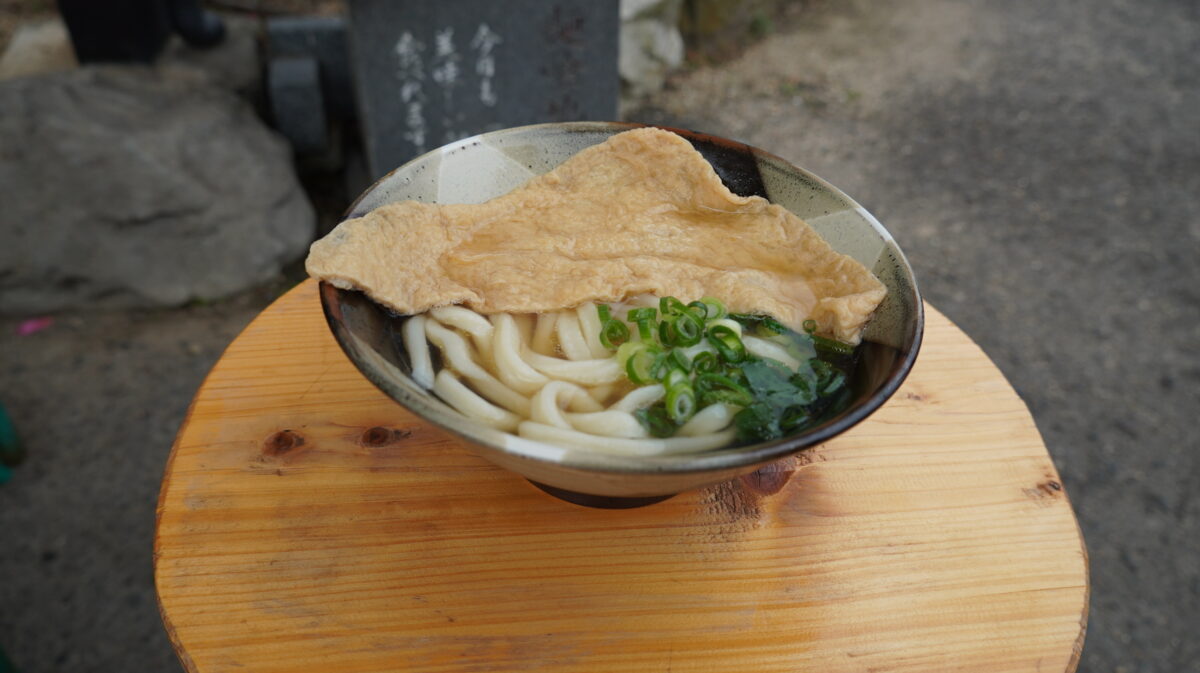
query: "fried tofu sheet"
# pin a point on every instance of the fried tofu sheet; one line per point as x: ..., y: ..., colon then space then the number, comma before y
x: 642, y: 212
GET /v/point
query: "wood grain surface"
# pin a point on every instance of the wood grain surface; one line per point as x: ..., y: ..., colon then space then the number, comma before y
x: 308, y: 523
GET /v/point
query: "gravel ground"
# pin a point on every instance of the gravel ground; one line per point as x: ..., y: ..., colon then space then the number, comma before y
x: 98, y: 399
x: 1040, y: 162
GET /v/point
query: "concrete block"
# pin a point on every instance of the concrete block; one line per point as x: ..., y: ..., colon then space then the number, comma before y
x: 297, y: 103
x: 324, y: 39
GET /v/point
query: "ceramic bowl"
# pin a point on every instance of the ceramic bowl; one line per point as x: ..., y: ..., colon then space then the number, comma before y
x: 489, y: 165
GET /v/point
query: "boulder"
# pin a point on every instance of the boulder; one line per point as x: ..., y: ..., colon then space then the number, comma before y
x: 130, y: 186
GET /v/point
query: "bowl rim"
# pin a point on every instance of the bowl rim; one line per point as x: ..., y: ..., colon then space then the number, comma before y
x: 721, y: 459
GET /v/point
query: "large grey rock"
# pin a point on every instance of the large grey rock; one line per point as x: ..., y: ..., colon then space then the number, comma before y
x: 129, y: 186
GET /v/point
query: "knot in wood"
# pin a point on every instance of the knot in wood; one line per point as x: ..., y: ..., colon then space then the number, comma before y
x: 767, y: 482
x: 281, y: 442
x: 376, y: 436
x: 770, y: 479
x: 380, y: 436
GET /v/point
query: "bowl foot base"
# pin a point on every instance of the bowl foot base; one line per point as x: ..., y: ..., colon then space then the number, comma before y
x: 600, y: 501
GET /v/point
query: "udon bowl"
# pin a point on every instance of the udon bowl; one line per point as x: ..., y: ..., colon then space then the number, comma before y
x: 482, y: 167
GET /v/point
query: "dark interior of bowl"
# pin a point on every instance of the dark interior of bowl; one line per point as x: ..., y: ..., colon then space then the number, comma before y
x: 369, y: 333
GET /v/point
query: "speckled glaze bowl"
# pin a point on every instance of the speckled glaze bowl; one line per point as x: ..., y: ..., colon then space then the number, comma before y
x: 485, y: 166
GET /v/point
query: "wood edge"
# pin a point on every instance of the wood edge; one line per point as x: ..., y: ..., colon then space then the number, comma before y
x: 184, y: 658
x: 1077, y: 645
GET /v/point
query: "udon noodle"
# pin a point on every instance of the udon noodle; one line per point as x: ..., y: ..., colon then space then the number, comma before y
x: 548, y: 378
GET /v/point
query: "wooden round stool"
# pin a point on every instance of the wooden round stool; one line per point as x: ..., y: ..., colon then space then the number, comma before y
x: 309, y: 523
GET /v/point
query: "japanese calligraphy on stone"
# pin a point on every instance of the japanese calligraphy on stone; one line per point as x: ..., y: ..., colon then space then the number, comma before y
x: 435, y: 67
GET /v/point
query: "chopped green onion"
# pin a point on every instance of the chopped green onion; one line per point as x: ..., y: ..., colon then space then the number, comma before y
x: 676, y: 377
x: 805, y: 393
x: 679, y: 360
x: 731, y: 324
x: 727, y: 343
x: 771, y: 327
x: 670, y: 306
x: 793, y: 418
x: 715, y: 308
x: 730, y: 397
x: 627, y: 349
x: 704, y: 362
x: 659, y: 368
x: 698, y: 309
x: 642, y: 364
x: 809, y: 325
x: 655, y: 420
x: 683, y: 329
x: 681, y: 402
x: 645, y: 313
x: 832, y: 345
x: 604, y: 312
x: 645, y: 333
x: 690, y: 329
x: 822, y: 369
x: 834, y: 384
x: 764, y: 325
x: 720, y: 388
x: 613, y: 334
x: 829, y: 379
